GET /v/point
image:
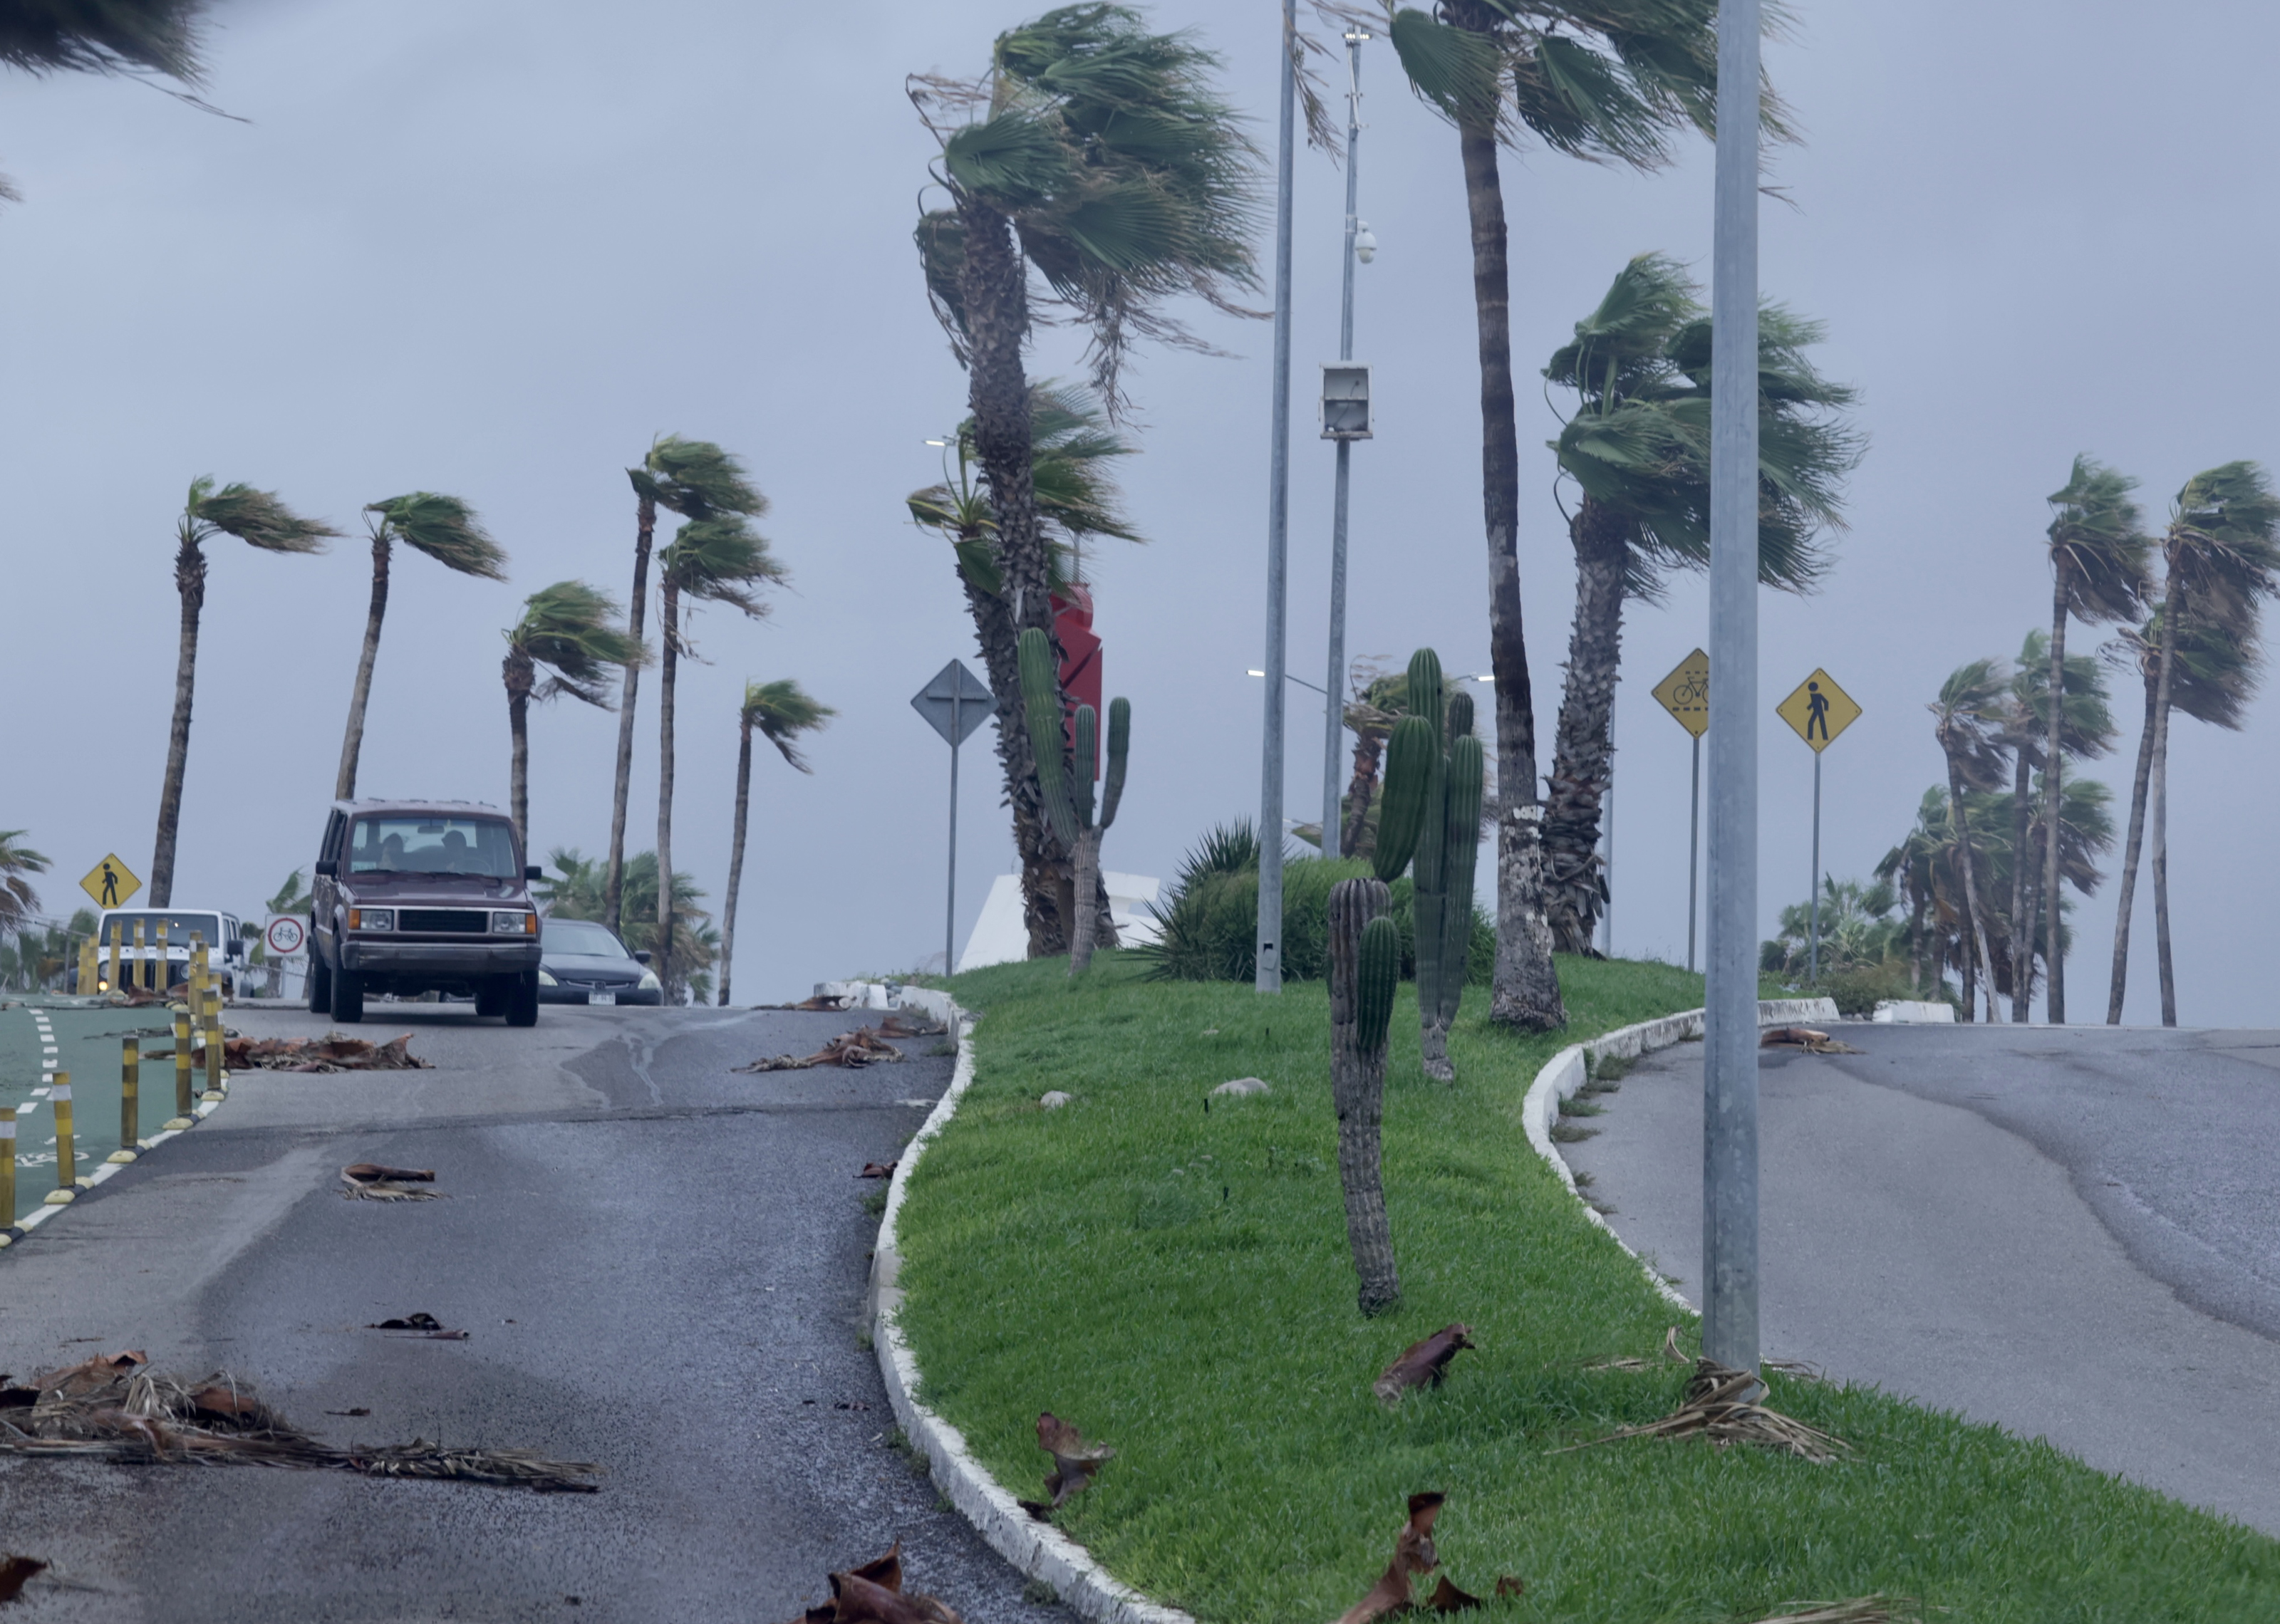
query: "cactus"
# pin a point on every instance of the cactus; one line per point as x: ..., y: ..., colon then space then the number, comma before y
x: 1066, y: 790
x: 1468, y: 771
x: 1365, y: 970
x: 1434, y: 768
x: 1408, y: 777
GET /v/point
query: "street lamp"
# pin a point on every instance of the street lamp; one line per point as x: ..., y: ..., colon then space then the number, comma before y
x: 1270, y: 936
x: 1301, y: 681
x: 1346, y: 419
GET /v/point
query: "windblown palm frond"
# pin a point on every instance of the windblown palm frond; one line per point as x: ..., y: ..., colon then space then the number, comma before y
x: 567, y: 627
x: 2218, y: 670
x: 257, y: 518
x: 444, y: 527
x: 723, y: 560
x: 780, y: 711
x: 696, y: 480
x: 2097, y: 544
x: 2221, y: 546
x: 103, y: 36
x: 2086, y: 726
x: 1969, y: 722
x: 18, y: 900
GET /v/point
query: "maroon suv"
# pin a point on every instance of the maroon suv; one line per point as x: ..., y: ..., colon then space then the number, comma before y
x: 416, y: 897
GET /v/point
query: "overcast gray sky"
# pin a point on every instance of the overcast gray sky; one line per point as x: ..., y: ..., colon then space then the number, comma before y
x: 493, y: 249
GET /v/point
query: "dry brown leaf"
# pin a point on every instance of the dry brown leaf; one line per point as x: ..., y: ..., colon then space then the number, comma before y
x: 1413, y: 1554
x: 895, y: 1026
x: 1507, y: 1585
x: 850, y: 1050
x: 877, y: 1170
x: 14, y: 1571
x: 1075, y: 1461
x: 1447, y: 1597
x: 858, y: 1600
x: 1422, y: 1364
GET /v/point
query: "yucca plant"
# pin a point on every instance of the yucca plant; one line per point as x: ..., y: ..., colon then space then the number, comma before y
x: 444, y: 528
x: 780, y: 712
x: 260, y: 520
x: 567, y: 629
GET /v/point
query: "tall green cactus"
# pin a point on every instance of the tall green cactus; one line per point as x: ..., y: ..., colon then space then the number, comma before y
x: 1364, y: 971
x: 1434, y: 768
x: 1461, y: 850
x: 1066, y: 793
x: 1378, y: 975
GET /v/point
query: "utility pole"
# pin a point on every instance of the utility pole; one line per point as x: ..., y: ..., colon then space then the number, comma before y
x: 1335, y: 684
x: 1729, y: 1100
x: 1278, y: 537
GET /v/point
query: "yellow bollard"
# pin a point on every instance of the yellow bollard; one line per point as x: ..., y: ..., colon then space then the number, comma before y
x: 66, y: 1158
x: 130, y: 1100
x: 89, y: 967
x: 194, y: 972
x: 141, y: 962
x: 213, y: 1045
x: 117, y: 929
x: 7, y: 1170
x: 183, y: 1105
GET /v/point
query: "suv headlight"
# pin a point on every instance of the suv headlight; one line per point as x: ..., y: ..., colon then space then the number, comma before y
x: 515, y: 924
x: 545, y: 980
x: 372, y: 919
x: 650, y: 983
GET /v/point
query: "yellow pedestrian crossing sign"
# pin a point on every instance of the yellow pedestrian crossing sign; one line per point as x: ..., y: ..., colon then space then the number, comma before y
x: 111, y: 882
x: 1685, y: 692
x: 1818, y: 709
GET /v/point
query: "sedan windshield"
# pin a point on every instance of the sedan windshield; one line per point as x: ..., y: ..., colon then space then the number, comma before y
x: 480, y: 846
x: 581, y: 937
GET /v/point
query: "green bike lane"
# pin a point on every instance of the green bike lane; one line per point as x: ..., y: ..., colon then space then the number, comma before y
x: 43, y: 1037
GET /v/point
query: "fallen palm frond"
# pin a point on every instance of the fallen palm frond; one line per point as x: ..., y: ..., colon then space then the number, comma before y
x: 895, y: 1026
x: 1669, y: 1353
x: 1422, y: 1364
x: 371, y: 1182
x: 1413, y: 1554
x: 1074, y: 1463
x: 332, y: 1052
x: 877, y: 1170
x: 114, y: 1407
x: 418, y: 1325
x: 874, y: 1594
x: 852, y: 1050
x: 1808, y: 1038
x: 1718, y: 1407
x: 1860, y: 1610
x: 14, y: 1571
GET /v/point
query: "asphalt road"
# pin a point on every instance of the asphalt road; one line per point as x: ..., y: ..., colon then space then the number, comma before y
x: 662, y: 1266
x: 2073, y: 1232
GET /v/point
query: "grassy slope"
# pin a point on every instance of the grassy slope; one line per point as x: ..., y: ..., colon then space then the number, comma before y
x: 1176, y: 1283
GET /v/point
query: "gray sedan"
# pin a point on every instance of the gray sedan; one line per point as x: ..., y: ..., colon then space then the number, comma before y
x: 583, y: 962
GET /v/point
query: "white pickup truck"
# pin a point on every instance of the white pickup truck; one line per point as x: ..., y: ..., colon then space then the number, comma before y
x: 163, y: 959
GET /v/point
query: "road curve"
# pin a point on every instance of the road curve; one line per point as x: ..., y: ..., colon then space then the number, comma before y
x: 2073, y: 1232
x: 662, y: 1266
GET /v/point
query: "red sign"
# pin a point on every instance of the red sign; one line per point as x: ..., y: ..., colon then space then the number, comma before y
x: 1079, y: 660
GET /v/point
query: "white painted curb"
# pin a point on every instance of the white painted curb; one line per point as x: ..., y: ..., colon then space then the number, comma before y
x: 1564, y: 1074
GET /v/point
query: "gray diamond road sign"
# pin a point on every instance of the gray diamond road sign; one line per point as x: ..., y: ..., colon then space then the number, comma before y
x: 954, y: 703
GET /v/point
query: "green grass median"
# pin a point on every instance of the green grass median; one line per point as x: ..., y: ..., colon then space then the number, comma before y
x: 1174, y: 1280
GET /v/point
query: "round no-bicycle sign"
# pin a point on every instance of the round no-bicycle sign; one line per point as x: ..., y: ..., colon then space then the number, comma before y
x: 286, y: 936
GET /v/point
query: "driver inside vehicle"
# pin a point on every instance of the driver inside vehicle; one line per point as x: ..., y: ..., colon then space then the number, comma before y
x: 455, y: 853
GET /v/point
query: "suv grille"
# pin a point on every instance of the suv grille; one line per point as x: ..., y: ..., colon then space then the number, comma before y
x: 461, y: 921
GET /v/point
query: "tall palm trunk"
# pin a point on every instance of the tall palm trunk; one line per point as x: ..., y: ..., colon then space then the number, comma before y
x: 735, y: 855
x: 190, y: 581
x: 2022, y: 929
x: 1369, y: 752
x: 1916, y: 947
x: 352, y: 742
x: 1046, y: 871
x: 1526, y: 991
x: 520, y: 676
x: 1582, y: 754
x: 613, y: 879
x: 2053, y: 774
x: 668, y: 621
x: 2139, y: 786
x: 2159, y: 804
x: 1084, y: 870
x: 1975, y: 934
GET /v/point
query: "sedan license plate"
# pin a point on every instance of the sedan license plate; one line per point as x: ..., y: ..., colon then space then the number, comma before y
x: 601, y: 998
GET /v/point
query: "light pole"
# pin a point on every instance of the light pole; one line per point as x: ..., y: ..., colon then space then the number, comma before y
x: 1359, y: 245
x: 1270, y: 939
x: 1730, y: 1097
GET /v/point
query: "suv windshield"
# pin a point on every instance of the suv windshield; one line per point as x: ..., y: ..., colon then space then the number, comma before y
x: 581, y: 936
x: 480, y: 846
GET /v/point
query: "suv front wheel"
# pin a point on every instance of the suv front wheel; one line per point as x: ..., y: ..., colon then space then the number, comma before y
x: 320, y: 983
x: 522, y: 999
x: 348, y: 997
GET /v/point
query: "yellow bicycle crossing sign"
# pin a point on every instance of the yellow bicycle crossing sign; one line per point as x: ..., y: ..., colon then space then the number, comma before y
x: 1685, y: 693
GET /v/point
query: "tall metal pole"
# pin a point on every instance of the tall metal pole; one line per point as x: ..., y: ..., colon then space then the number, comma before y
x: 1812, y: 953
x: 1334, y: 730
x: 949, y: 921
x: 1729, y: 1100
x: 1278, y: 537
x: 1694, y: 852
x: 1607, y: 843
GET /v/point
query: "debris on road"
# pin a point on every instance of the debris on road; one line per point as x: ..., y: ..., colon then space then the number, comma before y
x: 852, y: 1050
x: 371, y: 1182
x: 14, y: 1571
x: 1422, y: 1364
x: 333, y: 1052
x: 1808, y: 1038
x: 895, y: 1026
x: 114, y: 1407
x: 874, y: 1594
x: 1413, y: 1554
x: 418, y: 1325
x: 877, y: 1170
x: 359, y: 1410
x: 1718, y: 1406
x: 1074, y: 1463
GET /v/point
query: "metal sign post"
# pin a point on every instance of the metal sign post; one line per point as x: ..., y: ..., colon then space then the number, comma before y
x: 1818, y: 711
x: 1685, y: 694
x: 954, y: 704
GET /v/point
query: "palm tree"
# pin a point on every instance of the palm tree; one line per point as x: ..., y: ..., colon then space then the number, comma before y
x: 2217, y: 676
x: 1967, y: 722
x: 1916, y: 867
x: 104, y: 36
x: 1099, y: 156
x: 259, y: 519
x: 780, y: 711
x: 446, y: 530
x: 2098, y: 552
x: 1638, y: 449
x: 1602, y: 79
x: 716, y: 555
x: 18, y: 900
x: 566, y: 629
x: 2086, y: 732
x: 1076, y: 498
